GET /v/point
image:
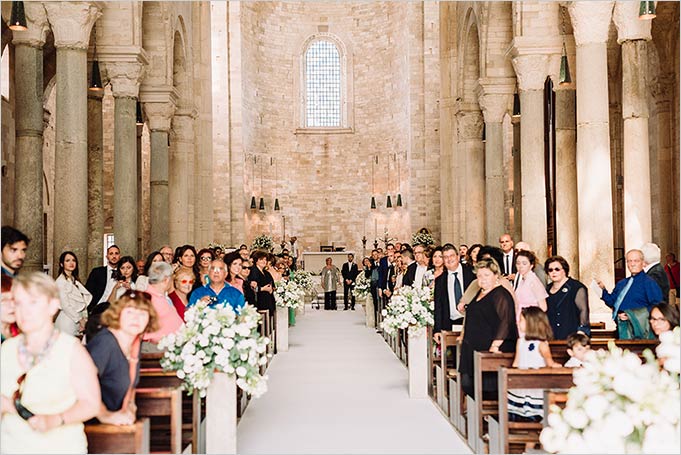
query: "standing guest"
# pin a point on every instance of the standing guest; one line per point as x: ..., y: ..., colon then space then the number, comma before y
x: 14, y: 246
x: 8, y: 319
x: 472, y: 254
x: 115, y: 349
x: 383, y: 266
x: 349, y: 272
x: 366, y: 267
x: 508, y: 263
x: 398, y: 247
x: 663, y: 318
x: 489, y: 324
x: 567, y: 302
x: 652, y: 267
x: 234, y: 264
x: 167, y: 253
x: 127, y: 276
x: 243, y: 252
x: 437, y: 262
x: 537, y: 269
x: 249, y: 293
x: 632, y: 299
x: 396, y: 279
x: 206, y: 256
x: 217, y: 253
x: 160, y: 280
x: 48, y: 381
x: 672, y: 269
x: 276, y: 267
x: 463, y: 253
x: 529, y: 291
x: 186, y: 258
x: 262, y: 283
x: 449, y: 289
x: 217, y: 293
x: 409, y: 262
x: 140, y: 267
x: 330, y: 281
x: 295, y: 252
x: 102, y: 280
x: 73, y: 295
x: 142, y: 281
x: 422, y: 262
x: 182, y: 283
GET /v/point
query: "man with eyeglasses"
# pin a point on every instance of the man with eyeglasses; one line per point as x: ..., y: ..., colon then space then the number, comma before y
x: 167, y: 253
x: 217, y: 292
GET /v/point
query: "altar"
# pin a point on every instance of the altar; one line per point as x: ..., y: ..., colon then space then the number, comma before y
x: 314, y: 261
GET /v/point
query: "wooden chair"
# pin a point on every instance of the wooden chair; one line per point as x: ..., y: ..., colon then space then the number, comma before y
x: 162, y: 402
x: 105, y: 438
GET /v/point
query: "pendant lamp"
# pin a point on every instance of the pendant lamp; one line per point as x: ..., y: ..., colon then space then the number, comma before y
x: 646, y: 10
x: 373, y: 203
x: 276, y: 204
x: 389, y: 203
x: 516, y: 105
x: 253, y: 204
x: 564, y: 69
x: 399, y: 200
x: 140, y: 119
x: 262, y: 204
x: 18, y: 18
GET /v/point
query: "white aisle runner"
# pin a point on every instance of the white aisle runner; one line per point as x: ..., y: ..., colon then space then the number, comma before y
x: 340, y: 389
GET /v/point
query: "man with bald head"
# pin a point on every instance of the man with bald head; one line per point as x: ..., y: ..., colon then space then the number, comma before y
x: 632, y: 299
x: 508, y: 268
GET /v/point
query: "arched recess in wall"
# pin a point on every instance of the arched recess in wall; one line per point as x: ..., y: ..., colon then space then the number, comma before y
x: 329, y: 44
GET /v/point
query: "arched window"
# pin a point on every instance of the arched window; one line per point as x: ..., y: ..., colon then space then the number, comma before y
x: 323, y: 85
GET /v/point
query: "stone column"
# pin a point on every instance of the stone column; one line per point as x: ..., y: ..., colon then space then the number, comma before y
x: 159, y: 115
x: 125, y: 78
x: 71, y: 24
x: 633, y: 34
x: 28, y: 80
x: 567, y: 238
x: 181, y: 171
x: 95, y: 164
x: 590, y: 22
x: 470, y: 179
x: 494, y: 102
x: 532, y: 70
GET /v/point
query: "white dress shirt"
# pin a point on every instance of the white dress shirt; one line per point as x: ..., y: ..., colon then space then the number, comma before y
x: 110, y: 283
x: 453, y: 311
x: 420, y: 273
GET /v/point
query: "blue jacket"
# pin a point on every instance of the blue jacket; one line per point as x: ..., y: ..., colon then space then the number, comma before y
x: 644, y: 292
x: 229, y: 295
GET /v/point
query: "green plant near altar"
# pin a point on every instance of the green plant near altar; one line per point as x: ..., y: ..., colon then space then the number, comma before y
x: 362, y: 288
x: 263, y: 242
x: 422, y: 237
x: 217, y: 339
x: 304, y: 280
x: 408, y: 308
x: 289, y: 294
x: 620, y: 404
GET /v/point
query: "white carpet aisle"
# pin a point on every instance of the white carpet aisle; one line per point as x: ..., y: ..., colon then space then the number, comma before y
x: 340, y: 389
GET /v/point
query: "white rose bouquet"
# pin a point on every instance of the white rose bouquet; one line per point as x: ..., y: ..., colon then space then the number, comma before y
x: 263, y: 242
x: 422, y: 238
x: 409, y: 307
x: 304, y: 280
x: 620, y: 404
x: 217, y: 339
x: 289, y: 294
x: 362, y: 287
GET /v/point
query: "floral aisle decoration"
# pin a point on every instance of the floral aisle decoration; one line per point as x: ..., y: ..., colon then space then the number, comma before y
x: 289, y: 294
x: 408, y: 308
x: 422, y: 237
x: 620, y: 404
x: 304, y: 280
x: 217, y: 339
x: 362, y: 288
x: 263, y: 242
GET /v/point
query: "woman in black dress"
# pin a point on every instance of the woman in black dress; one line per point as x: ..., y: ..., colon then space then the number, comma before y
x: 489, y: 323
x: 262, y: 282
x: 568, y: 300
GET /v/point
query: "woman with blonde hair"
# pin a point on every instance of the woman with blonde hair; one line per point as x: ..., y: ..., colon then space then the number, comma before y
x: 48, y: 381
x: 183, y: 281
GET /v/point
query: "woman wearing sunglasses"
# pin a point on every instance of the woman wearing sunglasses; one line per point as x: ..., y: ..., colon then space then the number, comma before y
x: 115, y: 350
x: 183, y: 281
x: 48, y: 381
x: 568, y: 300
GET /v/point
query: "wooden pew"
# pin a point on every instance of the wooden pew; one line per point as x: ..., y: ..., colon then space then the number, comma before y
x: 447, y: 367
x: 457, y: 399
x: 433, y: 361
x: 162, y: 402
x: 560, y: 355
x: 105, y: 438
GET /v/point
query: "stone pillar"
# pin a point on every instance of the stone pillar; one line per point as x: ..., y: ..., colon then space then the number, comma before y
x: 71, y: 25
x: 494, y: 103
x: 590, y: 22
x: 470, y: 178
x: 95, y: 164
x: 532, y: 70
x: 632, y: 35
x: 567, y: 238
x: 125, y: 78
x: 28, y: 80
x: 181, y: 171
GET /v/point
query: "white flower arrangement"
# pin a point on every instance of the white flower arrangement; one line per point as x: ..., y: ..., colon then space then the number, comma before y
x: 362, y: 288
x: 304, y: 280
x: 620, y: 404
x: 408, y: 308
x: 217, y: 339
x: 263, y: 242
x: 289, y: 294
x: 422, y: 238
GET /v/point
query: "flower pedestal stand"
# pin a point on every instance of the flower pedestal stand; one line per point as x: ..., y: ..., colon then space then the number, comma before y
x: 221, y: 415
x: 282, y: 329
x: 291, y: 317
x: 369, y: 312
x: 418, y: 363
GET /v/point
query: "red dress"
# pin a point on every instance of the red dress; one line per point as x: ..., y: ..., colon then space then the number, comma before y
x: 177, y: 303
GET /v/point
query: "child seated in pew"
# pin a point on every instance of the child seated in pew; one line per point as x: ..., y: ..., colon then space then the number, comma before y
x: 578, y: 344
x: 532, y: 351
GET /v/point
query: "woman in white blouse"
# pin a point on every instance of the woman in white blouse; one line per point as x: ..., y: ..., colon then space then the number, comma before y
x: 73, y: 295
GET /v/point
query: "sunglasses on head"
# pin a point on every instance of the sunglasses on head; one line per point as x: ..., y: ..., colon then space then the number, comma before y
x: 133, y: 294
x: 23, y: 412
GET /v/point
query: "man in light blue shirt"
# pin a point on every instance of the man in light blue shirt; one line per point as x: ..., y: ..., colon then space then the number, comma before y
x: 218, y: 293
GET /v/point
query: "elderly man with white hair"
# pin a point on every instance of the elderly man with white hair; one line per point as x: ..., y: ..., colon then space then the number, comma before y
x: 160, y: 281
x: 652, y: 267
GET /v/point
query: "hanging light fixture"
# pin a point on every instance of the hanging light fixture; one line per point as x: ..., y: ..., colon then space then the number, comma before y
x: 516, y: 104
x: 565, y: 78
x: 140, y: 118
x: 253, y: 203
x: 373, y: 202
x: 484, y: 133
x: 276, y: 185
x: 262, y: 204
x: 389, y: 202
x: 18, y: 18
x: 276, y: 204
x: 646, y: 10
x: 399, y: 185
x: 373, y: 199
x: 96, y: 77
x: 399, y: 200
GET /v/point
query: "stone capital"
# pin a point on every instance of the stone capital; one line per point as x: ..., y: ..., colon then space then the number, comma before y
x: 159, y: 115
x: 125, y: 77
x: 469, y: 125
x: 38, y: 26
x: 591, y: 21
x: 72, y: 22
x: 531, y: 70
x: 629, y: 26
x: 494, y: 106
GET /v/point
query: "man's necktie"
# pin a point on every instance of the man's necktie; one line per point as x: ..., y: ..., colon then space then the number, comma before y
x: 620, y: 297
x: 508, y: 266
x: 457, y: 288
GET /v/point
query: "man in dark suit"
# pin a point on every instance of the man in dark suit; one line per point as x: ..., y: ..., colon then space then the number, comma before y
x: 349, y: 272
x: 102, y: 279
x: 410, y: 262
x: 449, y: 288
x: 652, y: 267
x: 507, y: 265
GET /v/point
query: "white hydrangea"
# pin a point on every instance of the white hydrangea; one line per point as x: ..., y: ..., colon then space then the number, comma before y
x: 289, y: 294
x: 408, y: 308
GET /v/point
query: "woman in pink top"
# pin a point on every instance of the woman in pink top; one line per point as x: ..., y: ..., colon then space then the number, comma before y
x: 233, y: 261
x: 529, y: 290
